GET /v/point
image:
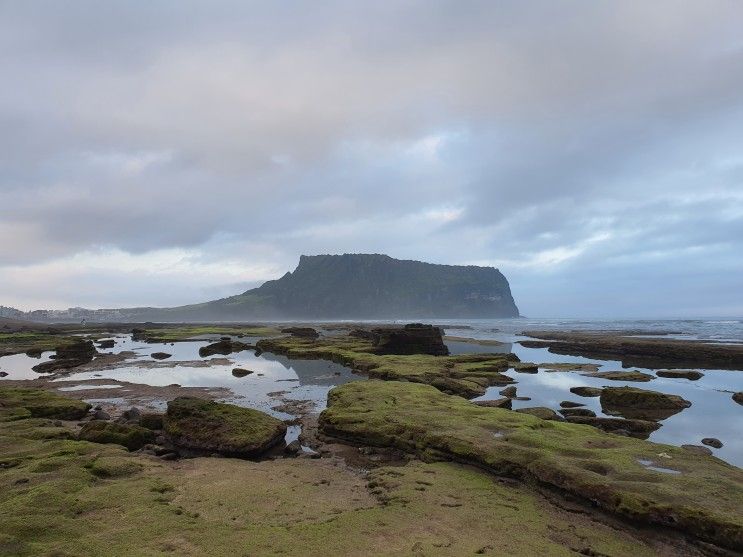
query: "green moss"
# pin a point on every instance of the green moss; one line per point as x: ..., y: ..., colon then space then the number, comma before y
x: 20, y: 403
x: 131, y: 436
x: 189, y: 332
x: 205, y: 425
x: 466, y: 374
x: 706, y: 498
x: 33, y: 342
x: 115, y: 467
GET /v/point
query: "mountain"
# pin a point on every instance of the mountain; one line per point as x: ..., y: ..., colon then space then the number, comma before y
x: 359, y: 286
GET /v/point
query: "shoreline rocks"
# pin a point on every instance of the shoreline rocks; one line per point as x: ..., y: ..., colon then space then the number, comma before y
x: 689, y: 374
x: 414, y: 338
x: 634, y: 403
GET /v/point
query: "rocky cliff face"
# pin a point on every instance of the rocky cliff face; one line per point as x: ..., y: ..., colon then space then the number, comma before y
x: 360, y: 286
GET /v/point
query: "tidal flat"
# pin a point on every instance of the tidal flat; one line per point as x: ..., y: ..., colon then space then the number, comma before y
x: 378, y: 454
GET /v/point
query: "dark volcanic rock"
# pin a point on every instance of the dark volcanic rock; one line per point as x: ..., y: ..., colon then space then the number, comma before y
x: 586, y: 391
x: 634, y: 403
x: 497, y: 403
x: 738, y: 397
x: 69, y: 356
x: 634, y: 428
x: 570, y: 404
x: 699, y: 449
x: 160, y: 355
x: 509, y: 392
x: 568, y: 412
x: 223, y: 347
x: 414, y: 338
x: 106, y: 343
x: 689, y: 374
x: 240, y: 372
x: 3, y: 373
x: 623, y: 376
x: 712, y: 442
x: 525, y: 367
x: 206, y: 426
x: 301, y: 332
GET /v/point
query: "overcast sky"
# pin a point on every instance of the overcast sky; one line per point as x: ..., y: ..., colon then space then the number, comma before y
x: 161, y: 153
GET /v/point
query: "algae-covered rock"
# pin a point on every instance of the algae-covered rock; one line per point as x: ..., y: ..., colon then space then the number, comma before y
x: 301, y: 332
x: 160, y: 355
x: 636, y: 376
x: 704, y: 499
x: 38, y: 403
x: 68, y: 356
x: 131, y: 436
x: 496, y: 403
x: 204, y: 425
x: 697, y: 449
x: 634, y: 428
x: 586, y: 391
x: 525, y: 367
x: 223, y: 347
x: 641, y: 404
x: 509, y: 392
x: 414, y: 338
x: 152, y: 420
x: 541, y: 412
x: 689, y: 374
x: 570, y: 404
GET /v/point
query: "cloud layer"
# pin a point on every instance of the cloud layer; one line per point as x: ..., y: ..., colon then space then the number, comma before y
x: 171, y: 152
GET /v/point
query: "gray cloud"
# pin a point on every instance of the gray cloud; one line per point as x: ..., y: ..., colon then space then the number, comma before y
x: 586, y: 149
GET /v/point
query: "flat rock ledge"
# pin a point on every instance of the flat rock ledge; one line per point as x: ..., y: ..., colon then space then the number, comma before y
x: 205, y: 426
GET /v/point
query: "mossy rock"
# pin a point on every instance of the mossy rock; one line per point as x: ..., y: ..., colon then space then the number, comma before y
x: 152, y: 420
x: 207, y: 426
x: 131, y: 436
x: 636, y: 376
x: 705, y: 499
x: 690, y: 374
x: 641, y: 404
x: 18, y: 403
x: 541, y: 412
x: 114, y: 467
x: 586, y: 391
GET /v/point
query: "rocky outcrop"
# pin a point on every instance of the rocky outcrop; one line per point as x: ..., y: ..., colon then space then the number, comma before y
x: 301, y: 332
x: 689, y: 374
x: 586, y: 391
x: 223, y: 347
x: 634, y: 403
x: 540, y: 412
x: 635, y: 376
x: 204, y: 426
x: 640, y: 429
x: 69, y: 356
x: 414, y: 338
x: 131, y: 436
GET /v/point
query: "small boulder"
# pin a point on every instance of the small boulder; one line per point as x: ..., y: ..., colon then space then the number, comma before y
x: 3, y: 373
x: 689, y: 374
x: 207, y: 426
x: 293, y: 448
x: 240, y: 372
x: 414, y: 338
x: 570, y: 404
x: 132, y: 415
x: 100, y: 414
x: 509, y: 392
x: 106, y: 343
x: 698, y: 449
x: 738, y: 397
x: 712, y: 442
x: 223, y: 347
x: 131, y: 436
x: 525, y: 367
x: 636, y: 376
x: 160, y: 355
x: 640, y: 404
x: 568, y: 412
x: 586, y: 391
x: 541, y: 412
x: 497, y: 403
x: 152, y: 421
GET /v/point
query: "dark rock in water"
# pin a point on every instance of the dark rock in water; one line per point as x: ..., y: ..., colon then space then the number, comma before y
x: 689, y: 374
x: 69, y: 356
x: 568, y: 412
x: 586, y: 391
x: 623, y: 376
x: 570, y: 404
x: 697, y: 449
x: 301, y: 332
x: 525, y: 367
x: 133, y: 415
x: 634, y: 428
x: 225, y: 338
x: 509, y: 392
x: 541, y: 412
x: 240, y: 372
x: 497, y: 403
x: 205, y: 426
x: 160, y: 355
x: 738, y: 397
x: 3, y: 373
x: 152, y: 420
x: 131, y: 436
x: 106, y: 343
x: 634, y: 403
x: 366, y: 334
x: 712, y: 442
x: 223, y: 347
x: 414, y: 338
x: 293, y: 448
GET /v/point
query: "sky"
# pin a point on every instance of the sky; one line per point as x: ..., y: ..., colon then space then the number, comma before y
x: 169, y: 152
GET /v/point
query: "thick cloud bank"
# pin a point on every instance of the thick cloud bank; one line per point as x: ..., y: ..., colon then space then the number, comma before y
x: 161, y: 153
